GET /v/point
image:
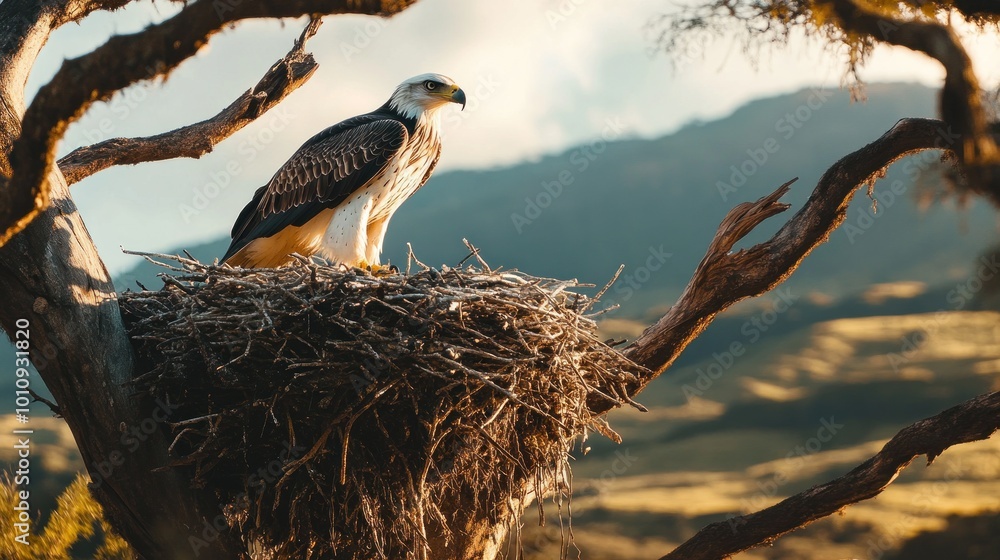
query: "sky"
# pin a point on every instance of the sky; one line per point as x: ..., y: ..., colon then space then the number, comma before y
x: 541, y: 77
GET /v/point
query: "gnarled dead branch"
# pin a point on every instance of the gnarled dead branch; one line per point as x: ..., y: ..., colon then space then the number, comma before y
x: 196, y: 140
x: 724, y: 277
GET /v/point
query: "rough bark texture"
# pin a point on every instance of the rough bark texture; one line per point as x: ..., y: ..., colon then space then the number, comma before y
x: 52, y: 276
x: 198, y: 139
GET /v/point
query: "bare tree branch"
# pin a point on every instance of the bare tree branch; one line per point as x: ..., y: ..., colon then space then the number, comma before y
x: 724, y: 278
x: 973, y: 420
x: 196, y: 140
x: 75, y: 10
x: 122, y: 61
x: 974, y: 9
x: 961, y: 102
x: 25, y: 26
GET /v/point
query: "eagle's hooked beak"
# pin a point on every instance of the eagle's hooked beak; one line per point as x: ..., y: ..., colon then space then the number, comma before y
x: 458, y: 96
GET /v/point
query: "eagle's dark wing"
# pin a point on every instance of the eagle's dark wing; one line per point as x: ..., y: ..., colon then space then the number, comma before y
x: 321, y: 174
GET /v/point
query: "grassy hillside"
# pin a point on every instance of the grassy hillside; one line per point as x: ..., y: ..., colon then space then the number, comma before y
x: 753, y: 436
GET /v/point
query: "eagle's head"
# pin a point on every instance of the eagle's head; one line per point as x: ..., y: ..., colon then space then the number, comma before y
x: 426, y: 92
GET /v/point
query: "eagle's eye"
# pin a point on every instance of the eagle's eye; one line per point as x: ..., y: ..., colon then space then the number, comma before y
x: 430, y: 85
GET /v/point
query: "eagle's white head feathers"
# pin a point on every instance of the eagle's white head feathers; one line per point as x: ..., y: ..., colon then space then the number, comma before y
x: 425, y: 93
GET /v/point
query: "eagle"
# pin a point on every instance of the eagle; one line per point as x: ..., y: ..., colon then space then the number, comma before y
x: 334, y: 197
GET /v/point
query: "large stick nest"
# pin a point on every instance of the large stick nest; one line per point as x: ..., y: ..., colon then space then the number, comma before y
x: 341, y: 415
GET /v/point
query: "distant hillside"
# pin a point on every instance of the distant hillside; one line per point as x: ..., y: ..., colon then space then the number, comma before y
x: 582, y: 213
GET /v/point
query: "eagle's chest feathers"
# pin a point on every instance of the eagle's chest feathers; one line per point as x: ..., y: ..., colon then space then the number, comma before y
x: 404, y: 174
x: 356, y: 228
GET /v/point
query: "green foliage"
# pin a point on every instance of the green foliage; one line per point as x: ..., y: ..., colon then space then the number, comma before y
x: 76, y: 529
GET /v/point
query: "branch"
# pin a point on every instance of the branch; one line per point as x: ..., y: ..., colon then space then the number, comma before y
x: 977, y: 9
x: 961, y: 102
x: 196, y: 140
x: 973, y: 420
x: 724, y: 278
x: 122, y: 61
x: 75, y: 10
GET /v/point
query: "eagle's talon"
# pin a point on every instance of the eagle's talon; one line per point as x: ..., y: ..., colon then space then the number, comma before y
x: 379, y: 270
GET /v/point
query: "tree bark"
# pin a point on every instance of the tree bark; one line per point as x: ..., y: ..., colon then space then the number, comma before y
x: 52, y: 277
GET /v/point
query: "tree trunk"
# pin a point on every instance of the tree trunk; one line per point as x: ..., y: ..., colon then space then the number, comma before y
x: 51, y: 276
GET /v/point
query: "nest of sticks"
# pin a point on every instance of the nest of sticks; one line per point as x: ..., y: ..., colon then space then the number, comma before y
x: 336, y: 414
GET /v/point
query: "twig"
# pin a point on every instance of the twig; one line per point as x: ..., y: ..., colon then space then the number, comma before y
x: 52, y: 406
